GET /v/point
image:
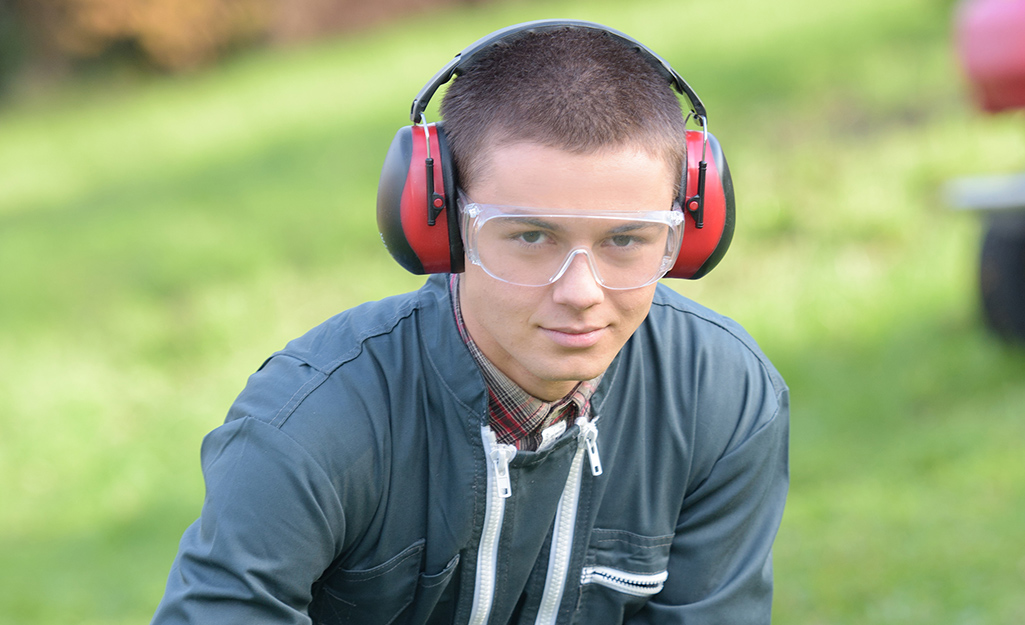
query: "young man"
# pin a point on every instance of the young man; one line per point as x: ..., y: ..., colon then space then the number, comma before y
x: 547, y: 437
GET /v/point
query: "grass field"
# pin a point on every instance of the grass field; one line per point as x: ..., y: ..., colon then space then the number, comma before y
x: 160, y: 238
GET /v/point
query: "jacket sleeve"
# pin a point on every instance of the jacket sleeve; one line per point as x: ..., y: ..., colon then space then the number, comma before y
x: 720, y: 564
x: 270, y: 525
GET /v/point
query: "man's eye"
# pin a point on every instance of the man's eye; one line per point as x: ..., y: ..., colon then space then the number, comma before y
x: 533, y: 236
x: 622, y: 240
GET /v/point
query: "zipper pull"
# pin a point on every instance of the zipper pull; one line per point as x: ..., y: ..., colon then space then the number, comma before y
x: 589, y: 438
x: 500, y: 455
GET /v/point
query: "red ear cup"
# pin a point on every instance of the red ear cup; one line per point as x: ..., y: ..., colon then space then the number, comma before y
x: 416, y: 202
x: 702, y: 248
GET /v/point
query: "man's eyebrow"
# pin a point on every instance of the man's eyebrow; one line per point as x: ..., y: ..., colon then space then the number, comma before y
x: 633, y: 226
x: 536, y: 222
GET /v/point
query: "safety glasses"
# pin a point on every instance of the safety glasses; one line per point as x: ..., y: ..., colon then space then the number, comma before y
x: 535, y: 247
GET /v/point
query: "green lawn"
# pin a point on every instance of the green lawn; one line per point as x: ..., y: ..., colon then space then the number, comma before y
x: 159, y: 239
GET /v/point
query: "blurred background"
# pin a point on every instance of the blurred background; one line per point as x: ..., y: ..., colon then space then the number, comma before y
x: 187, y: 185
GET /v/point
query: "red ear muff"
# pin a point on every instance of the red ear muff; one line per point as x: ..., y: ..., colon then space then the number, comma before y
x: 707, y: 202
x: 416, y: 202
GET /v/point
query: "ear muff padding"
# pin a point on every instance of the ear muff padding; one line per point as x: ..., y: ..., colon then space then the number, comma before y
x: 701, y: 249
x: 403, y: 203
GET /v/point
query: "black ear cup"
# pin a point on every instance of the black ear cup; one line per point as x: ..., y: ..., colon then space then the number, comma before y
x: 703, y: 247
x: 416, y: 197
x: 416, y: 202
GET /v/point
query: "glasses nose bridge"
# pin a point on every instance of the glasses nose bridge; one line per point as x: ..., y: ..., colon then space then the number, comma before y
x: 568, y: 262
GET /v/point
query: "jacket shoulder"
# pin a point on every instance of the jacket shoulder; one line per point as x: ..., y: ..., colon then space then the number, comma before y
x: 343, y: 336
x: 689, y: 327
x: 720, y: 384
x: 289, y: 376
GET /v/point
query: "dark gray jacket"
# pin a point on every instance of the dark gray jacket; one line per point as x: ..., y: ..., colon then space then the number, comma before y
x: 354, y: 481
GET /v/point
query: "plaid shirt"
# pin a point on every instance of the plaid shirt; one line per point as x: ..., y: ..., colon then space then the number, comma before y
x: 517, y: 417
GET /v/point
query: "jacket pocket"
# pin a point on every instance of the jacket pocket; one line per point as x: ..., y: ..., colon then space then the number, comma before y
x: 622, y: 571
x: 636, y: 584
x: 432, y: 603
x: 374, y: 596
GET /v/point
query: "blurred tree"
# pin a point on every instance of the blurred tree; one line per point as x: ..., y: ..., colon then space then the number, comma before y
x: 12, y: 44
x: 171, y: 34
x: 299, y: 20
x: 176, y: 35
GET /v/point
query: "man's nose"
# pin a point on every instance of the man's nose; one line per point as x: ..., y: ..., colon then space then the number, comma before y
x: 578, y: 285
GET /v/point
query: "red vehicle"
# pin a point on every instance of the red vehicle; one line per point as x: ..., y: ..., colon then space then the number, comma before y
x: 990, y: 38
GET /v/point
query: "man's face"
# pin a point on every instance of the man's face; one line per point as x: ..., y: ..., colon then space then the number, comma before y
x: 548, y: 338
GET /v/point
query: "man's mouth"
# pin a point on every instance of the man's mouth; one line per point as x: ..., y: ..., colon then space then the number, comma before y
x: 575, y: 337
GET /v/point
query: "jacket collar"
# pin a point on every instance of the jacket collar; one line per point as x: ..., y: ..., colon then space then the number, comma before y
x: 446, y: 353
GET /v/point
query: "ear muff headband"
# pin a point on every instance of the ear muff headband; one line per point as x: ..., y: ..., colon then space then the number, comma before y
x: 418, y: 182
x: 467, y: 56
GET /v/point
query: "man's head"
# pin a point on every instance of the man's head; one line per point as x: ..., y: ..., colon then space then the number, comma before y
x: 576, y: 89
x: 574, y: 85
x: 571, y: 123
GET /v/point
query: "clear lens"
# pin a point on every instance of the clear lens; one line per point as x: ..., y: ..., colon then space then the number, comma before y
x: 625, y: 250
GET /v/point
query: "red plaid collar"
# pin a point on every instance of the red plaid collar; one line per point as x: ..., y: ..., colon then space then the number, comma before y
x: 517, y: 417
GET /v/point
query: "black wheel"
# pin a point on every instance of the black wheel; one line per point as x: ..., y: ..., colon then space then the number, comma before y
x: 1002, y: 276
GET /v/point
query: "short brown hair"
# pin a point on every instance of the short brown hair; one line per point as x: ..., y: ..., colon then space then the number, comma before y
x: 574, y: 89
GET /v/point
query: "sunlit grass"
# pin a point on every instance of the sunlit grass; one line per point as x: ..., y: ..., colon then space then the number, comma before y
x: 157, y: 242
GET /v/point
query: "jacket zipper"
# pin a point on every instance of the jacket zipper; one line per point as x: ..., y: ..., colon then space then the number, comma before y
x: 565, y: 523
x: 499, y: 489
x: 637, y: 584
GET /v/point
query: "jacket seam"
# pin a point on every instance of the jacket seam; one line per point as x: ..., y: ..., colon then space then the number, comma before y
x: 292, y: 404
x: 658, y: 545
x: 289, y: 407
